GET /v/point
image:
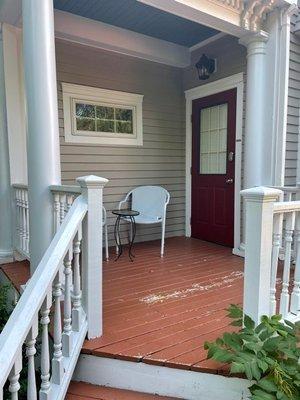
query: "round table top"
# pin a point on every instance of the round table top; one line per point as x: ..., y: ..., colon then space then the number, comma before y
x: 126, y: 213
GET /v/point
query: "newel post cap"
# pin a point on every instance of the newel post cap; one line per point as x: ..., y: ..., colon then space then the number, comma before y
x: 91, y: 181
x: 262, y: 194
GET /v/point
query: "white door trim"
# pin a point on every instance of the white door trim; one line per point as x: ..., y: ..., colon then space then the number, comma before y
x: 231, y: 82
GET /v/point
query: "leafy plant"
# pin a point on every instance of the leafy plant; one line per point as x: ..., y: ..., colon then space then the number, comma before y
x: 268, y: 355
x: 5, y: 311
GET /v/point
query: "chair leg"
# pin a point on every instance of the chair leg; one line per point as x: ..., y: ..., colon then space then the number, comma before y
x: 106, y: 243
x: 163, y: 228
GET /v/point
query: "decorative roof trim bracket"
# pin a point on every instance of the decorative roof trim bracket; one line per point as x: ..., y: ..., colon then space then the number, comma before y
x: 254, y: 13
x: 235, y: 4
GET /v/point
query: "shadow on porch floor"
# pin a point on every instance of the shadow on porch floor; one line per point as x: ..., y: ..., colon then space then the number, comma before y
x: 162, y: 310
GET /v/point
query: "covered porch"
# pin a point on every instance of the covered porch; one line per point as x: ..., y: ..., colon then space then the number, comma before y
x: 155, y: 311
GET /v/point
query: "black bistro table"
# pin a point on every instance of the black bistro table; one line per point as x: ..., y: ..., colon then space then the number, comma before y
x: 128, y: 215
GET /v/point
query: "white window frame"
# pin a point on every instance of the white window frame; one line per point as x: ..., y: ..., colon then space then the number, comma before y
x: 111, y: 98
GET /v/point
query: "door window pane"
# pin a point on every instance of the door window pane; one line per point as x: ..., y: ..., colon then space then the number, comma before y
x: 213, y: 139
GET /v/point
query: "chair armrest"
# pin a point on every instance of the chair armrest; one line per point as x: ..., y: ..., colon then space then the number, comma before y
x: 165, y: 206
x: 124, y: 200
x: 104, y: 215
x: 168, y: 198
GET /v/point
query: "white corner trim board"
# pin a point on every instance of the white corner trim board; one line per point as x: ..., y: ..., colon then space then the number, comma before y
x: 74, y: 94
x: 163, y: 381
x: 104, y: 36
x: 231, y: 82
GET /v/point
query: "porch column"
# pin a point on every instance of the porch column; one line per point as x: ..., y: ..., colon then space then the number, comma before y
x: 256, y: 171
x: 5, y: 188
x: 43, y: 135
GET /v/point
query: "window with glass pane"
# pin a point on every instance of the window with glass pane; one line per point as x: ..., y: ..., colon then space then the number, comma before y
x: 100, y: 118
x: 213, y: 139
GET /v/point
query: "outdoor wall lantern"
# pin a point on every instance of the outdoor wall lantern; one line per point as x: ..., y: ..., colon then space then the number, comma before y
x: 205, y: 67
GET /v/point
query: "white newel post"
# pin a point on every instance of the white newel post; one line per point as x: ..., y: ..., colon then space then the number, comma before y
x: 42, y: 132
x: 92, y: 190
x: 259, y: 203
x: 5, y: 189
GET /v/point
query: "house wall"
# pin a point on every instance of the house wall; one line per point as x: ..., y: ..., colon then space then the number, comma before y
x: 292, y: 152
x: 161, y: 159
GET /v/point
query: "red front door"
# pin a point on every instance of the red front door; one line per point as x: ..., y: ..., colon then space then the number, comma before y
x: 214, y: 123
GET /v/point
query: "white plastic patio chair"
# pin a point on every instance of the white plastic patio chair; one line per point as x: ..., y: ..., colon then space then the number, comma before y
x: 104, y: 223
x: 151, y: 202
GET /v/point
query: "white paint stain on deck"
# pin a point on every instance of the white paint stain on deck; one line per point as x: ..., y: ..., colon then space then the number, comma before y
x: 224, y: 281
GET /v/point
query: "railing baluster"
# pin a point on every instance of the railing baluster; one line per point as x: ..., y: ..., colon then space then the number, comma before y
x: 14, y: 376
x: 23, y: 222
x: 57, y: 361
x: 62, y: 201
x: 295, y: 297
x: 26, y: 222
x: 77, y: 308
x: 45, y: 356
x: 30, y: 353
x: 56, y: 210
x: 18, y: 227
x: 288, y: 236
x: 69, y: 201
x: 277, y: 233
x: 21, y: 219
x: 67, y: 332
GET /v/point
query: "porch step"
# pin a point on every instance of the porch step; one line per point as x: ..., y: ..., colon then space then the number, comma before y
x: 17, y: 272
x: 80, y: 391
x: 174, y: 383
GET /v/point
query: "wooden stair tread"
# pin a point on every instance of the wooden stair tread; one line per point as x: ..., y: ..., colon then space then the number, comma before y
x: 81, y: 390
x: 17, y: 272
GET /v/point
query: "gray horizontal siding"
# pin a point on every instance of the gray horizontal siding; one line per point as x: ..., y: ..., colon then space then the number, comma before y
x: 293, y: 112
x: 161, y: 159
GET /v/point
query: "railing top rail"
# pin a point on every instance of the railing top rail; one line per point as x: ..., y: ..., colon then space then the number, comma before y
x: 65, y: 189
x: 19, y: 186
x: 286, y: 206
x: 22, y: 318
x: 292, y: 189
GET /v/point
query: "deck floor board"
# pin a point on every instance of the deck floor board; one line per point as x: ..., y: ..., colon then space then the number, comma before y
x: 161, y: 310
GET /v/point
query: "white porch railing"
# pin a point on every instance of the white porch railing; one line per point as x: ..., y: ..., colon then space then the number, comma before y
x: 272, y: 225
x: 21, y: 236
x: 63, y: 198
x: 82, y: 306
x: 290, y: 193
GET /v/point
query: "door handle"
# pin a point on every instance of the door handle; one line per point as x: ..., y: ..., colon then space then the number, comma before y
x: 229, y: 181
x: 230, y: 156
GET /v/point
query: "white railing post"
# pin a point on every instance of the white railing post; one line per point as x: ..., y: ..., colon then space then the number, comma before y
x: 92, y: 191
x: 259, y: 203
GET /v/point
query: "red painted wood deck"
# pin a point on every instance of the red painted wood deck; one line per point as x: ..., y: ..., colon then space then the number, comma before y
x: 161, y: 310
x: 84, y: 391
x: 17, y: 273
